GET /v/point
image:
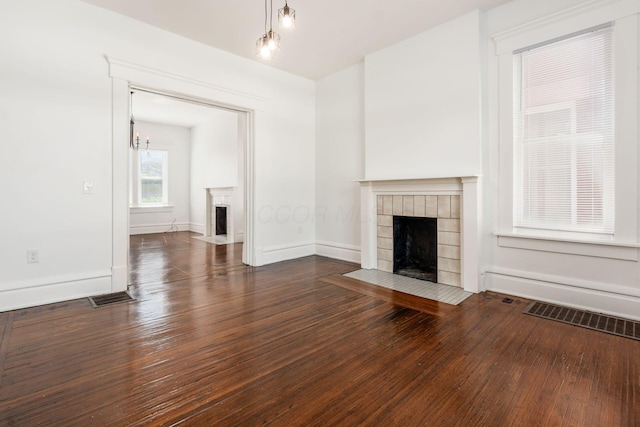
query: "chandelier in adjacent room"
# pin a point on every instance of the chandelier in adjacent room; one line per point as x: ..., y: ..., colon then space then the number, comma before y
x: 134, y: 143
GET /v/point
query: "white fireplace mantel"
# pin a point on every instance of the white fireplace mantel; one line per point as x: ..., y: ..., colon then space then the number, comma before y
x: 219, y: 196
x: 468, y: 187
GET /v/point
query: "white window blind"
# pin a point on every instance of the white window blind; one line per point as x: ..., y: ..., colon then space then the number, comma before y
x: 564, y: 134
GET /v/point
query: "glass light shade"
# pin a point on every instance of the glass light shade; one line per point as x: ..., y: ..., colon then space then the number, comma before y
x: 286, y: 17
x: 262, y: 48
x: 274, y: 41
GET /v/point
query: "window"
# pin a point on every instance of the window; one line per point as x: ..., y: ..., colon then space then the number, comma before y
x: 564, y: 134
x: 150, y: 178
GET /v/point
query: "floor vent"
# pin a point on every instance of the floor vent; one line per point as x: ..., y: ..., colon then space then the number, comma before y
x: 586, y: 319
x: 102, y: 300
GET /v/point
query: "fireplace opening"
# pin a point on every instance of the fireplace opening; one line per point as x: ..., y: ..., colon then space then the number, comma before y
x: 221, y: 220
x: 415, y: 247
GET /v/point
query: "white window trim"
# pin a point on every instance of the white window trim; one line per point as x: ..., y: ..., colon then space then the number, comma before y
x: 139, y: 209
x: 532, y: 223
x: 135, y: 186
x: 626, y: 43
x: 578, y: 18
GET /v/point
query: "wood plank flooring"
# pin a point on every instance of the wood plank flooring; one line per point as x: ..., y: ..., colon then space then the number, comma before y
x: 212, y: 342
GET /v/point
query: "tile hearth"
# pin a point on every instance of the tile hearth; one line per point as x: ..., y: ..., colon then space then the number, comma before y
x: 408, y: 285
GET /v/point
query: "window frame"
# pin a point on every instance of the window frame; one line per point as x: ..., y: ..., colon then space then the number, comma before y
x: 571, y: 226
x: 626, y: 42
x: 135, y: 189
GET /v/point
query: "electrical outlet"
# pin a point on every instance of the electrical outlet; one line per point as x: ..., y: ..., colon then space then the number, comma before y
x: 33, y: 256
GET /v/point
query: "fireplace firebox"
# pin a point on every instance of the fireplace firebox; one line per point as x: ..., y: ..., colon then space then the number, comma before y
x: 415, y: 247
x: 221, y: 220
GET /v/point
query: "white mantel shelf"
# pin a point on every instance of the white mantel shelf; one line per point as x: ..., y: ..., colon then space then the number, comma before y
x: 429, y: 178
x: 468, y: 187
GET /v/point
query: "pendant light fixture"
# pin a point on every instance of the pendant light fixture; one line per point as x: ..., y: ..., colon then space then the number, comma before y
x: 134, y: 143
x: 269, y: 43
x: 286, y: 17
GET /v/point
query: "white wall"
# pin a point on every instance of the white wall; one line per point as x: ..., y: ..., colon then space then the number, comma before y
x: 285, y: 169
x: 422, y: 103
x: 214, y: 160
x: 176, y: 141
x: 56, y: 127
x: 339, y: 162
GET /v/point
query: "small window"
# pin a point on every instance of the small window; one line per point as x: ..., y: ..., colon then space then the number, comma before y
x: 564, y: 134
x: 151, y: 178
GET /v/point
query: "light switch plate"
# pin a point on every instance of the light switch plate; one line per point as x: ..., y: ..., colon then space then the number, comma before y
x: 87, y: 187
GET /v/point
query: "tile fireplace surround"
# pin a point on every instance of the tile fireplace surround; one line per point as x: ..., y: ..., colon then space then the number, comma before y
x: 454, y: 201
x: 446, y: 208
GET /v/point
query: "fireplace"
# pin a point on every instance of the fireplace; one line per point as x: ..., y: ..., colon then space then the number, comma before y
x: 454, y: 203
x: 219, y: 219
x: 415, y: 247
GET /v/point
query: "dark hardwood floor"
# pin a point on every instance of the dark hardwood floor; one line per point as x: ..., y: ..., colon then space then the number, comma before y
x: 210, y: 341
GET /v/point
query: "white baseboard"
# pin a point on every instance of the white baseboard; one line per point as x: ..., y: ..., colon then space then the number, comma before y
x: 339, y: 251
x: 561, y: 292
x: 119, y: 278
x: 158, y: 228
x: 40, y: 292
x: 286, y: 252
x: 197, y: 228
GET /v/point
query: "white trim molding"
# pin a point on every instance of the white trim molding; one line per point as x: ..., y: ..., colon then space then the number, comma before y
x: 606, y: 298
x: 584, y: 15
x: 197, y: 228
x: 119, y: 68
x: 339, y: 251
x: 286, y: 252
x: 23, y: 294
x: 598, y: 249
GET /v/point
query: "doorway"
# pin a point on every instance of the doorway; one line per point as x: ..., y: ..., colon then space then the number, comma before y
x: 194, y: 149
x: 125, y: 75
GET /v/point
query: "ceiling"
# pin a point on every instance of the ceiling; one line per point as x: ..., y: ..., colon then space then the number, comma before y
x: 330, y: 34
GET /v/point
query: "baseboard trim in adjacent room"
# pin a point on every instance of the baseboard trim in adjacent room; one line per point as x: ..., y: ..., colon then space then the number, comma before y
x: 576, y: 295
x: 159, y: 228
x: 339, y: 251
